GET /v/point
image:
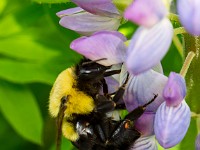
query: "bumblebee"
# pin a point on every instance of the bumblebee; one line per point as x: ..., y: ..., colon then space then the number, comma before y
x: 81, y: 110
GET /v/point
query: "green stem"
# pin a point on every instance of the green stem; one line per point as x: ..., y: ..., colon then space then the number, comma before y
x: 178, y: 45
x: 173, y: 17
x: 187, y: 63
x: 180, y: 30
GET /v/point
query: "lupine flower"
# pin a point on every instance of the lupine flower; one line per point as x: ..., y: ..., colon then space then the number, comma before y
x: 103, y: 44
x: 171, y: 123
x: 197, y: 142
x: 189, y: 14
x: 175, y: 89
x: 94, y: 15
x: 145, y: 49
x: 146, y: 12
x: 145, y: 143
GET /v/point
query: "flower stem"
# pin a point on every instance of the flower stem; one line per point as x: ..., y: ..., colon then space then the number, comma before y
x: 178, y: 45
x: 179, y: 30
x: 173, y: 17
x: 187, y: 63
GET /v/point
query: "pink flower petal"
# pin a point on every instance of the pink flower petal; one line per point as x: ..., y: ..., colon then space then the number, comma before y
x: 68, y: 12
x: 104, y: 44
x: 146, y: 12
x: 189, y: 14
x: 148, y: 46
x: 98, y: 7
x: 86, y: 23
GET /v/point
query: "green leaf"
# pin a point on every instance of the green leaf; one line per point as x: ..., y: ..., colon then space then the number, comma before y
x: 20, y: 109
x: 189, y: 140
x: 51, y: 1
x: 65, y: 145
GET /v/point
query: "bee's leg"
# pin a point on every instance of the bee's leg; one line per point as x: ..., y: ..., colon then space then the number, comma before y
x: 105, y: 87
x: 84, y: 143
x: 112, y: 72
x: 103, y: 104
x: 137, y: 112
x: 120, y: 92
x: 124, y: 135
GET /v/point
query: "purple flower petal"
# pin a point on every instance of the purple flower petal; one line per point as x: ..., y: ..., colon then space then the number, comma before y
x: 197, y: 142
x: 145, y: 143
x: 148, y: 46
x: 140, y: 89
x: 171, y: 124
x: 86, y: 23
x: 145, y: 124
x: 146, y: 12
x: 68, y: 12
x: 175, y: 89
x: 98, y: 7
x: 104, y: 44
x: 189, y: 14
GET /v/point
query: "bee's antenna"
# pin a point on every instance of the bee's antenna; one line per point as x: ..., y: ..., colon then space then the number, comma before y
x: 93, y: 61
x: 155, y: 96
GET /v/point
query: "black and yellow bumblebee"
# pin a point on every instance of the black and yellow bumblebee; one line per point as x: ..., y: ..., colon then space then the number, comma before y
x: 80, y: 109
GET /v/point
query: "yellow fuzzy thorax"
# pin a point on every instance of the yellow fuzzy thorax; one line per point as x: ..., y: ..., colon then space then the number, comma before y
x: 69, y: 131
x: 78, y: 102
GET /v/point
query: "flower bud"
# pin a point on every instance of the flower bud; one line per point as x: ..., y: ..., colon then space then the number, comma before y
x: 175, y: 89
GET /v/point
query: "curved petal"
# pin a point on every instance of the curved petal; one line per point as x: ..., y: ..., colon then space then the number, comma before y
x: 175, y: 89
x: 189, y: 14
x: 145, y: 143
x: 140, y: 89
x: 86, y: 23
x: 145, y: 124
x: 148, y: 46
x: 146, y: 12
x: 171, y: 124
x: 98, y: 7
x: 104, y: 44
x: 69, y: 12
x: 197, y: 142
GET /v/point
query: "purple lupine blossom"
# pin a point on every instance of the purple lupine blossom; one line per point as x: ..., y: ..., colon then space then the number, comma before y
x: 171, y: 124
x: 93, y: 16
x: 197, y: 142
x: 145, y: 143
x: 145, y: 49
x: 175, y: 89
x: 146, y: 12
x: 189, y: 14
x: 103, y: 44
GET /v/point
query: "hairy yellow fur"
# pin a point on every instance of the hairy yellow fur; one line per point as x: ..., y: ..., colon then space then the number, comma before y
x: 78, y: 102
x: 69, y: 131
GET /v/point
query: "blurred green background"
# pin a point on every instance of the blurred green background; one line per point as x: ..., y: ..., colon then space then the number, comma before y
x: 34, y: 49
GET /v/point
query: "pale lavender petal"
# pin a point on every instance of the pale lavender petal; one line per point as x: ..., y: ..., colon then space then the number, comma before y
x: 171, y: 124
x: 98, y: 7
x: 189, y: 14
x: 145, y: 143
x: 148, y: 46
x: 146, y: 12
x: 140, y: 89
x: 86, y: 23
x: 145, y: 124
x: 175, y: 89
x: 69, y: 12
x: 104, y: 44
x: 197, y: 142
